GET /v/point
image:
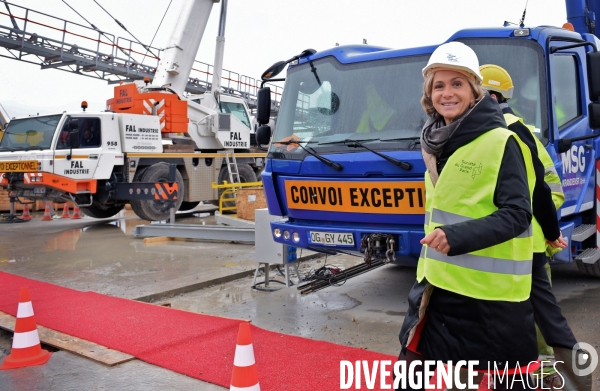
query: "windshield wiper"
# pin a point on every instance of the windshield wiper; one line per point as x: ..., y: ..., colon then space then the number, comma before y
x: 414, y: 138
x: 12, y: 149
x: 359, y: 144
x: 312, y: 152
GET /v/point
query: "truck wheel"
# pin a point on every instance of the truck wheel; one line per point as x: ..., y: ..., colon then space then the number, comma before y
x: 152, y: 210
x: 97, y: 212
x: 589, y: 269
x: 246, y: 175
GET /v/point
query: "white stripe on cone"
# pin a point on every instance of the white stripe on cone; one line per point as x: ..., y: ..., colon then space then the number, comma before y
x: 25, y: 310
x: 255, y: 387
x: 244, y: 356
x: 26, y: 340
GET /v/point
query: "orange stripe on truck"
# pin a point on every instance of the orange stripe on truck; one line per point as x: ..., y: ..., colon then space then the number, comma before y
x: 61, y: 183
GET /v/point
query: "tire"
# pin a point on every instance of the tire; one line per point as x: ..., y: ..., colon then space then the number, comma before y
x: 98, y: 212
x: 246, y: 175
x: 185, y: 205
x: 592, y: 270
x: 152, y: 210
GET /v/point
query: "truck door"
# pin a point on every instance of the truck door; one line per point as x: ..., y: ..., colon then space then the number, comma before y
x: 84, y: 159
x: 569, y: 105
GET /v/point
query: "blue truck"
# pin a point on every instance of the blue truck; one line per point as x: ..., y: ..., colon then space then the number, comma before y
x: 344, y: 168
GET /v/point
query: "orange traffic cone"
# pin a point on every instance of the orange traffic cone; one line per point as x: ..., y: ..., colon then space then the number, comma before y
x: 26, y: 348
x: 244, y: 376
x: 47, y: 215
x: 65, y: 214
x: 76, y: 214
x: 26, y: 215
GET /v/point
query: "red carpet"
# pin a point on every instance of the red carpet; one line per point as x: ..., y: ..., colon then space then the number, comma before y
x: 196, y: 345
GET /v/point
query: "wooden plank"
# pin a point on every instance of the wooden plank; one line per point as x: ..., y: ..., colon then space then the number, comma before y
x: 156, y: 239
x: 72, y: 344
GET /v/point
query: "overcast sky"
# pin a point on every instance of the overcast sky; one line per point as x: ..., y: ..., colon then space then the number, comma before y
x: 258, y: 33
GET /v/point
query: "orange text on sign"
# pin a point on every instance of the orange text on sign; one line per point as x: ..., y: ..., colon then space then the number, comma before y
x: 357, y: 197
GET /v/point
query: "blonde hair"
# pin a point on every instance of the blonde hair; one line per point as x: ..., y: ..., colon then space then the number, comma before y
x: 427, y: 103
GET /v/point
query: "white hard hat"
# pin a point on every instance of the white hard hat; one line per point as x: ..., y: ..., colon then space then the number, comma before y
x: 454, y: 55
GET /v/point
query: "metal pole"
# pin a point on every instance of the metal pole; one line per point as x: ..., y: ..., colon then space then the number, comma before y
x: 219, y: 50
x: 172, y: 179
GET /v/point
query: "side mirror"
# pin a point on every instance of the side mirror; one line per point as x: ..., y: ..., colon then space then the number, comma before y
x: 274, y: 70
x: 564, y: 144
x: 74, y: 138
x: 593, y: 73
x: 263, y: 106
x: 73, y: 124
x: 594, y: 114
x: 263, y: 135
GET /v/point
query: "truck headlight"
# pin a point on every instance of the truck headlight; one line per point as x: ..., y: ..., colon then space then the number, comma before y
x: 277, y: 233
x: 286, y: 235
x: 296, y: 237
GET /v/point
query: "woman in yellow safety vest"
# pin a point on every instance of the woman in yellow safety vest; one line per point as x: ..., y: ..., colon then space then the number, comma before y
x: 471, y: 298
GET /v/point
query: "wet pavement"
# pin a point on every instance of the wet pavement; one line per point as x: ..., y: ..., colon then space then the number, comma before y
x: 102, y: 256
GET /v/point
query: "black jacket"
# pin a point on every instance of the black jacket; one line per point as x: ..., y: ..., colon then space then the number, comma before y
x: 460, y: 327
x: 543, y: 207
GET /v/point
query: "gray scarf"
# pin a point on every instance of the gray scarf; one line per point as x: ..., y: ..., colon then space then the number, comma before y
x: 434, y: 136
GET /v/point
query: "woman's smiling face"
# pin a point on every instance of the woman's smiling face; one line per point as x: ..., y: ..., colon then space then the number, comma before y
x: 451, y: 94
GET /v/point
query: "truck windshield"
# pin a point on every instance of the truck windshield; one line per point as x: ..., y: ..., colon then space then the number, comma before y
x: 30, y: 133
x: 236, y: 109
x: 325, y: 101
x: 523, y: 59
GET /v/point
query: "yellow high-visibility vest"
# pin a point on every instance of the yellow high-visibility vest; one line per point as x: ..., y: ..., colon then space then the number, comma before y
x: 465, y: 191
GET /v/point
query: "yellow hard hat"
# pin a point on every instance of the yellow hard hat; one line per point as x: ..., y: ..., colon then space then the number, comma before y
x: 495, y: 78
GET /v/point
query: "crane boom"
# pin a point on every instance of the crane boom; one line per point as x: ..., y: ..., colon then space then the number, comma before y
x: 582, y: 15
x: 177, y: 59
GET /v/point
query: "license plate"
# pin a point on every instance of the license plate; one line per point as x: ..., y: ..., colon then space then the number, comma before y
x: 39, y: 190
x: 332, y: 238
x: 19, y: 166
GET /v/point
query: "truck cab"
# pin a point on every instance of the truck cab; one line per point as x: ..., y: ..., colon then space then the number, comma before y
x: 358, y: 107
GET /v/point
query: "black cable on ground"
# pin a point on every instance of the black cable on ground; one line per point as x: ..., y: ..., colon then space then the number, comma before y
x: 256, y: 286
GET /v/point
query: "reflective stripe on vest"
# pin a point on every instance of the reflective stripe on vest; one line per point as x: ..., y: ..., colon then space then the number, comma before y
x: 465, y: 191
x: 485, y: 264
x: 446, y: 218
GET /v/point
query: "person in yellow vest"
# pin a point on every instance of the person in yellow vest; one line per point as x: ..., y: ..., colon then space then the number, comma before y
x: 548, y: 197
x: 377, y: 114
x: 471, y: 297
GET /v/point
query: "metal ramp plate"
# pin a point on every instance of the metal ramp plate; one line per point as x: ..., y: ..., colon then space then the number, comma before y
x: 591, y: 255
x: 202, y: 232
x: 583, y: 232
x: 233, y: 221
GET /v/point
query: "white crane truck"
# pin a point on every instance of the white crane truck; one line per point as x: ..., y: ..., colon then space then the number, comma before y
x: 95, y: 159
